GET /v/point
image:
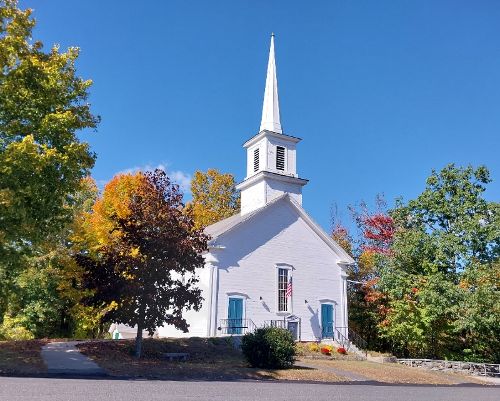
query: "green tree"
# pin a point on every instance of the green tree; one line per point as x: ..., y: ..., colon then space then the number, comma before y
x: 214, y: 197
x: 147, y: 277
x: 478, y: 323
x: 44, y: 298
x: 463, y: 227
x: 43, y: 104
x: 440, y: 239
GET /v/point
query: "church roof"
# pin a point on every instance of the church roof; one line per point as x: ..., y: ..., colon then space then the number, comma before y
x: 229, y: 223
x: 224, y: 226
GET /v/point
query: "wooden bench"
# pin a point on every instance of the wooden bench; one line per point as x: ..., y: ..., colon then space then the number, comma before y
x: 176, y: 356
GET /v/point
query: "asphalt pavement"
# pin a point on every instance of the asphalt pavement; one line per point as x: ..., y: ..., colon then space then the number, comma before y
x: 66, y: 389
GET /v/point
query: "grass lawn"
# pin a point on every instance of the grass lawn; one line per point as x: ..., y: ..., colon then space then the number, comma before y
x: 210, y: 359
x: 395, y: 373
x: 21, y: 357
x: 216, y: 359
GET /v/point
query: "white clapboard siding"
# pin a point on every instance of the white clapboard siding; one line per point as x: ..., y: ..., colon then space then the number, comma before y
x: 198, y: 320
x: 247, y: 266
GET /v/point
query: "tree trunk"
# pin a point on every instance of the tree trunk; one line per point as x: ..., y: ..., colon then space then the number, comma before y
x: 138, y: 338
x: 138, y: 341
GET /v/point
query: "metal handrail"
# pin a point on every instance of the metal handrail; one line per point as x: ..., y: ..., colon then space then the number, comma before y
x: 341, y: 339
x: 282, y: 324
x: 346, y: 338
x: 236, y: 326
x: 355, y: 338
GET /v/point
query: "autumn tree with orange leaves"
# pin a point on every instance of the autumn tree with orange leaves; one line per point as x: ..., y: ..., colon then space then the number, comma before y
x: 142, y: 270
x: 98, y: 227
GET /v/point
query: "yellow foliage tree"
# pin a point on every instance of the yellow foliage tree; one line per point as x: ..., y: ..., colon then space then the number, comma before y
x: 94, y: 227
x: 214, y: 197
x: 98, y: 224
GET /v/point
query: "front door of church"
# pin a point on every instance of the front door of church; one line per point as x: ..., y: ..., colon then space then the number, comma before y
x: 235, y: 315
x: 326, y: 320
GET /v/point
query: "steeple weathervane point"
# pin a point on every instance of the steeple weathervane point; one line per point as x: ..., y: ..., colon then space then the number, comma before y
x: 271, y: 108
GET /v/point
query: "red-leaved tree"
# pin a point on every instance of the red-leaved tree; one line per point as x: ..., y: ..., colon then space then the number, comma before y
x: 147, y: 277
x: 367, y: 306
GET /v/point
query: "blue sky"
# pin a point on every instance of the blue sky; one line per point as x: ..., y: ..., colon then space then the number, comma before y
x: 380, y: 91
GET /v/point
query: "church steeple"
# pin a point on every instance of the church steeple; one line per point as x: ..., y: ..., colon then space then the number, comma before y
x: 271, y: 155
x: 271, y: 106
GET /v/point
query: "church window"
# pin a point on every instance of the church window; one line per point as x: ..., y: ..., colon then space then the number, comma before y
x: 282, y: 290
x: 256, y: 160
x: 280, y: 158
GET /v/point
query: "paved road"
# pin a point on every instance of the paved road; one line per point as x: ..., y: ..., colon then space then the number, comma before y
x: 38, y: 389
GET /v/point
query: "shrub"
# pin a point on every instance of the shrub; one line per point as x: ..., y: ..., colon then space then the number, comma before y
x: 12, y: 329
x: 301, y: 349
x: 219, y: 340
x: 269, y: 347
x: 341, y: 350
x: 326, y: 349
x: 313, y: 347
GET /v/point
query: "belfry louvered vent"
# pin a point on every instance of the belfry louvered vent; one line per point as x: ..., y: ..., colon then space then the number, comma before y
x: 280, y: 158
x: 256, y: 160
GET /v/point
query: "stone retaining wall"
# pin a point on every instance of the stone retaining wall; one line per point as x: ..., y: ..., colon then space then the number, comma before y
x: 483, y: 369
x: 382, y: 359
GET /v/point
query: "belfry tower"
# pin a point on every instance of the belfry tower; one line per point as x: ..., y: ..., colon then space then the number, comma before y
x: 271, y: 155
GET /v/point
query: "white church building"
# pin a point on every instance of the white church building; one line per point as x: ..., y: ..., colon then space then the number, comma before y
x: 271, y: 264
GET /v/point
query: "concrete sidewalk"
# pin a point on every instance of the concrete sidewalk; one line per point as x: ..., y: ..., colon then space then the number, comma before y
x: 64, y: 358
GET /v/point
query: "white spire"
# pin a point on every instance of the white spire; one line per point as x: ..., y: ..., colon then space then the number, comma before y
x: 271, y: 107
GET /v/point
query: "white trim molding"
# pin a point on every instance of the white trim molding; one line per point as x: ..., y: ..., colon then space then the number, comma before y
x: 236, y: 294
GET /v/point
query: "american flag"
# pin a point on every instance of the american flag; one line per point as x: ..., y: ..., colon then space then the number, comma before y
x: 289, y: 288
